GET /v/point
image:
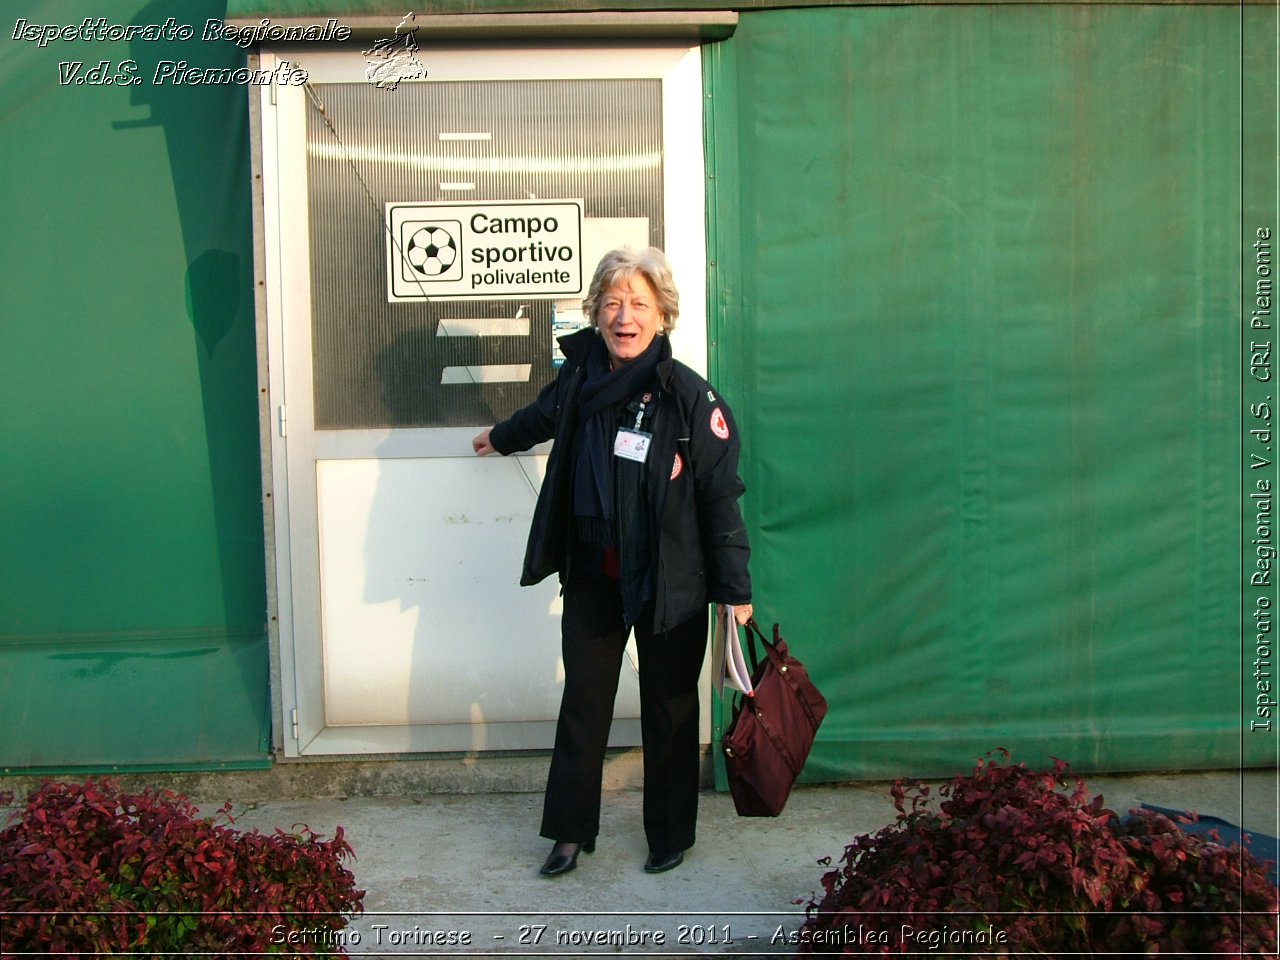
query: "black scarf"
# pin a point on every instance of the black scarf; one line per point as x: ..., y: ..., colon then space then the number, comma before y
x: 603, y: 395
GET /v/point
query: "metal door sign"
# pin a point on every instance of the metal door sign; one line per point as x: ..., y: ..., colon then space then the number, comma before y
x: 491, y: 251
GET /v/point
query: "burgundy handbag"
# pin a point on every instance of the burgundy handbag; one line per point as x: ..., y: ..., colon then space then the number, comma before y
x: 772, y: 729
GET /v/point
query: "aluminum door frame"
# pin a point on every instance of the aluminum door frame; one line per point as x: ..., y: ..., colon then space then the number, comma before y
x: 284, y: 276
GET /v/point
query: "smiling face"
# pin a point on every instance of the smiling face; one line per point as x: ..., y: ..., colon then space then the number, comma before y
x: 629, y: 318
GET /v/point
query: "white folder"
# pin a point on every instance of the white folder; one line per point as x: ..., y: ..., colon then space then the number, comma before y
x: 728, y: 660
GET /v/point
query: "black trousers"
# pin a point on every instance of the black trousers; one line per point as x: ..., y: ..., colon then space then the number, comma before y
x: 593, y: 643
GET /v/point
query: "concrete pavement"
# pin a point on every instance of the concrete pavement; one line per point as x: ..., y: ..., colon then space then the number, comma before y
x: 455, y: 873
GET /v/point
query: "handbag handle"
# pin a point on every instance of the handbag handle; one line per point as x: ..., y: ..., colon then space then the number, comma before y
x: 753, y: 630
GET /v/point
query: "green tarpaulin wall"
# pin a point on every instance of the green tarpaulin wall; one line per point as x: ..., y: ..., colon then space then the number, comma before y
x: 132, y: 584
x: 979, y: 291
x: 978, y: 278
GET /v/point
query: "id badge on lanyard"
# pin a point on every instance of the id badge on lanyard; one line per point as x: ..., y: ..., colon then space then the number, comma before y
x: 632, y: 443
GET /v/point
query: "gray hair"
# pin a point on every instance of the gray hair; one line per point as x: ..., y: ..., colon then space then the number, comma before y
x: 624, y: 263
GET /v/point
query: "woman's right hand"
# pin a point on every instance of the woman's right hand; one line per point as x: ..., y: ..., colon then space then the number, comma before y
x: 481, y: 445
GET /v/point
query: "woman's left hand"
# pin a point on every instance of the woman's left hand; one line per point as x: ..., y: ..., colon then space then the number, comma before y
x: 740, y: 613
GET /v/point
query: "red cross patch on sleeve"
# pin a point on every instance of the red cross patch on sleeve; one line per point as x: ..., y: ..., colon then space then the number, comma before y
x: 719, y: 426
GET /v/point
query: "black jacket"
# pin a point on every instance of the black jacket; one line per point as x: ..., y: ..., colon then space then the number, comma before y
x: 692, y: 479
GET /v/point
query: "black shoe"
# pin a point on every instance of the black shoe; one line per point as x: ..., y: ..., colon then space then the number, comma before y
x: 564, y: 857
x: 660, y: 862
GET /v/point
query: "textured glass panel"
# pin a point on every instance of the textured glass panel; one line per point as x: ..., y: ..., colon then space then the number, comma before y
x: 380, y: 364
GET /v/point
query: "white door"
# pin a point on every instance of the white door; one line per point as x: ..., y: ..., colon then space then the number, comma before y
x: 402, y: 625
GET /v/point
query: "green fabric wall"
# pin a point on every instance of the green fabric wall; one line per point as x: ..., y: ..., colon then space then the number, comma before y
x: 977, y: 278
x: 132, y: 597
x: 978, y: 301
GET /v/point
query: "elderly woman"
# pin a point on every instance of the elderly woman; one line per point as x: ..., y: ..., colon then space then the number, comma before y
x: 638, y: 515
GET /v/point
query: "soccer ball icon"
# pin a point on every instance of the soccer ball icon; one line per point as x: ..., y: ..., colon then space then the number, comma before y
x: 431, y: 251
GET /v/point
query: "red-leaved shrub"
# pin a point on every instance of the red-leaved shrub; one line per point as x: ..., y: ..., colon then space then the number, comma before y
x: 1017, y: 861
x: 85, y: 868
x: 1198, y: 896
